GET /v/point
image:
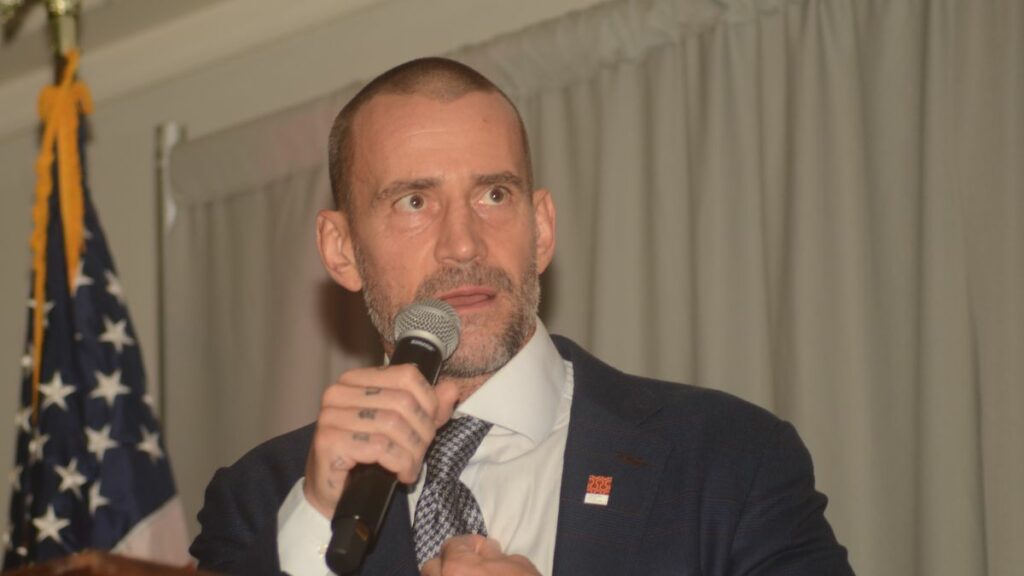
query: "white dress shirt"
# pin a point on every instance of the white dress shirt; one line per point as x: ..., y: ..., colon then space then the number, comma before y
x: 515, y: 474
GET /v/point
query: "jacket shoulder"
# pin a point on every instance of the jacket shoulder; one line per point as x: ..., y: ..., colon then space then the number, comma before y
x: 651, y: 401
x: 239, y: 515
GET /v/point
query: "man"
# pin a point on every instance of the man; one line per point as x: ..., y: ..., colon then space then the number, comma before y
x: 581, y: 469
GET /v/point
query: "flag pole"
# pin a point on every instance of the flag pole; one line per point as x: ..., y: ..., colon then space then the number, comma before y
x: 63, y: 19
x: 168, y: 135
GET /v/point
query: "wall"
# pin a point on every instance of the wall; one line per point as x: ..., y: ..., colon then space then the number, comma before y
x: 224, y: 64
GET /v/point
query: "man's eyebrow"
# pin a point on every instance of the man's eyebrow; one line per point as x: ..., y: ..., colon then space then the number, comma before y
x: 399, y: 187
x: 506, y: 177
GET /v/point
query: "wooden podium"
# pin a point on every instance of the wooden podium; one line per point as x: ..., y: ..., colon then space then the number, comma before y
x: 96, y: 563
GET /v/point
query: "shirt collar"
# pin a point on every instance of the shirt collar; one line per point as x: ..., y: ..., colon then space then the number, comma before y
x: 523, y: 396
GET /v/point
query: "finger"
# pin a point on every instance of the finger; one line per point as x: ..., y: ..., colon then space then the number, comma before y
x: 398, y: 377
x: 447, y: 394
x: 398, y: 389
x: 461, y: 546
x: 489, y: 548
x: 431, y: 568
x: 415, y: 436
x: 336, y: 452
x: 339, y: 450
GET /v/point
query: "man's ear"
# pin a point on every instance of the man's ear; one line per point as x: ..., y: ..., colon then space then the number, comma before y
x: 334, y: 240
x: 544, y: 213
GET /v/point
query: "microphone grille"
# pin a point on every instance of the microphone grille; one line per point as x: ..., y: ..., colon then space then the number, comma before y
x: 435, y: 317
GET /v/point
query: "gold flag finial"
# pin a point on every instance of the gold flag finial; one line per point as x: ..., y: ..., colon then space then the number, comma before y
x: 63, y: 19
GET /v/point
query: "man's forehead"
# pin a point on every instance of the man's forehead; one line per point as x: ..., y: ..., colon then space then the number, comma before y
x: 411, y: 110
x: 390, y: 121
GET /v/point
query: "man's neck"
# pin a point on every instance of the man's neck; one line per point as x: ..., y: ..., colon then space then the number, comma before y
x: 467, y: 386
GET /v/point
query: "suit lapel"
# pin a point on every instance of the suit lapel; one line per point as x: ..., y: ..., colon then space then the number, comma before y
x: 605, y: 440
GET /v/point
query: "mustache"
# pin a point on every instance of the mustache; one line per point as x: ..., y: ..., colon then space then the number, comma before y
x: 450, y: 278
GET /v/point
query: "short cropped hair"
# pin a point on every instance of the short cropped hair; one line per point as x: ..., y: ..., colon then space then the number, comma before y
x: 434, y: 77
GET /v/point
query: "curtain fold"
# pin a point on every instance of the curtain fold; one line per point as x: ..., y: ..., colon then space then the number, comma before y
x: 817, y: 205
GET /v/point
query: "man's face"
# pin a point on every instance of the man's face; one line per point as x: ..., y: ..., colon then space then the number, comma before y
x: 440, y: 209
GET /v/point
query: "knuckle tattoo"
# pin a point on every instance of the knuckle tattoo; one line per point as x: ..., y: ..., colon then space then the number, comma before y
x: 372, y: 391
x: 360, y: 436
x: 367, y: 414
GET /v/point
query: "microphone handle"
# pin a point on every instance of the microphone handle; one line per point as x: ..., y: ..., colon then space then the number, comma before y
x: 370, y: 487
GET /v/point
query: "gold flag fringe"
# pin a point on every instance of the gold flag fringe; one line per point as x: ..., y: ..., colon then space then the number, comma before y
x: 59, y: 109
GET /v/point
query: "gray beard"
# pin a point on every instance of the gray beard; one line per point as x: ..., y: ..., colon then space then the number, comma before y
x: 495, y: 354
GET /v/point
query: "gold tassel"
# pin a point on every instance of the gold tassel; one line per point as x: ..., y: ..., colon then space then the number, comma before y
x: 59, y: 108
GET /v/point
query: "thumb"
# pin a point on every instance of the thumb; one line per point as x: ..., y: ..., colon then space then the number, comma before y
x: 488, y: 548
x: 431, y: 567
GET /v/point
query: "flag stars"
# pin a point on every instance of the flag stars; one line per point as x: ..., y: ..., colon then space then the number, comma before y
x: 15, y: 478
x: 55, y: 392
x: 109, y: 387
x: 80, y: 278
x: 116, y: 333
x: 150, y: 445
x: 49, y: 525
x: 27, y: 362
x: 35, y: 447
x: 70, y: 478
x: 99, y: 441
x: 96, y: 499
x: 46, y: 310
x: 23, y: 419
x: 114, y: 287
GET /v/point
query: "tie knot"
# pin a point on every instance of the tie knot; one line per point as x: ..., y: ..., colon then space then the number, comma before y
x: 453, y: 446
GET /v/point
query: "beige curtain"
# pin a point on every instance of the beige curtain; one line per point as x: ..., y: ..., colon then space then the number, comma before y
x: 254, y: 329
x: 817, y: 205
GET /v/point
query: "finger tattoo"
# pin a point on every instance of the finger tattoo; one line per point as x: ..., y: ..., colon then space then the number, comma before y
x: 372, y: 391
x: 421, y: 413
x: 367, y: 414
x: 361, y: 437
x: 338, y: 463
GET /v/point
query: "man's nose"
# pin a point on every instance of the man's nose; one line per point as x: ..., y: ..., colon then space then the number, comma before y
x: 461, y: 239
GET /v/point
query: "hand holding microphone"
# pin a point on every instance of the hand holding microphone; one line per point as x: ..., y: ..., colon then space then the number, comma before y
x: 374, y: 427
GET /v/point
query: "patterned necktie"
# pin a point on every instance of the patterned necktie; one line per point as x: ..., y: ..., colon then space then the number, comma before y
x: 446, y: 507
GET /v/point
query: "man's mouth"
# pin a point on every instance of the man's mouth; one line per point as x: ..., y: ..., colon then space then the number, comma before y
x: 469, y: 298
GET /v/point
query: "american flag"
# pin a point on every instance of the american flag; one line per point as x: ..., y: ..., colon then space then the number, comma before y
x: 91, y: 471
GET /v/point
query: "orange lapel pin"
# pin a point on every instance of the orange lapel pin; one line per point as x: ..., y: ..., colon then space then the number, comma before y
x: 599, y: 488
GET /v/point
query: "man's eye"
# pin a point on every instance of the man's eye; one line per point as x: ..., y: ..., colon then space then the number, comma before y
x: 410, y: 203
x: 497, y: 195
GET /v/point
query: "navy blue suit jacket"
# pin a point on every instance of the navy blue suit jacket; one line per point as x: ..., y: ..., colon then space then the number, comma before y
x: 703, y: 484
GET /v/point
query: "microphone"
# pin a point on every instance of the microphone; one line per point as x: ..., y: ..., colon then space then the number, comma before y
x: 427, y: 333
